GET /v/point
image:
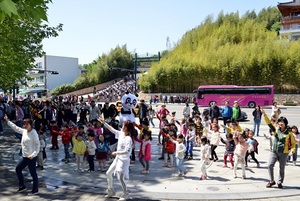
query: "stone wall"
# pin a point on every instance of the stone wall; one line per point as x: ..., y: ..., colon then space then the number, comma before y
x: 279, y: 98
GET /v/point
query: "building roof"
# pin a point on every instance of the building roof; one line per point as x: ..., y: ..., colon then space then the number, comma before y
x: 287, y: 7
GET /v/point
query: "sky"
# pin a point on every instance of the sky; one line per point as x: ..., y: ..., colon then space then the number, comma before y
x: 94, y: 27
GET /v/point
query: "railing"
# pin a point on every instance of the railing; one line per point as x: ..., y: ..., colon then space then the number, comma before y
x: 290, y: 18
x: 290, y: 27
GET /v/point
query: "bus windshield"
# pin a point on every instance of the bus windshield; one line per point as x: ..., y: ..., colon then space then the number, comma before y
x: 245, y: 95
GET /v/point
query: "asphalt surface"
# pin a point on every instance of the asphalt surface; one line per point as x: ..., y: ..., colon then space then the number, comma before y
x: 59, y: 181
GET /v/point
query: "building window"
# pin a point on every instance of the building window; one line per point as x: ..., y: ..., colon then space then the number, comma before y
x: 40, y: 79
x: 39, y: 64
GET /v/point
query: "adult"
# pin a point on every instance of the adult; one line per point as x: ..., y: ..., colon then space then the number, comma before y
x: 226, y: 113
x: 236, y: 111
x: 107, y: 111
x: 94, y: 111
x: 195, y: 110
x: 257, y: 119
x: 30, y: 148
x: 121, y: 163
x: 2, y: 113
x: 283, y: 145
x: 186, y: 111
x: 143, y: 111
x: 214, y: 112
x: 275, y: 111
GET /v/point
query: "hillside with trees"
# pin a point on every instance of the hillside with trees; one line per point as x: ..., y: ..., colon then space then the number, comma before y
x: 231, y: 49
x: 99, y: 70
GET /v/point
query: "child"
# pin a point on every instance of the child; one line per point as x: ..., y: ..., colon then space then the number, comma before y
x: 40, y: 161
x: 166, y: 131
x: 97, y: 129
x: 151, y: 115
x: 169, y: 148
x: 54, y: 127
x: 230, y: 147
x: 102, y: 150
x: 179, y: 154
x: 145, y: 150
x: 214, y: 141
x: 91, y: 148
x: 205, y: 124
x: 162, y: 124
x: 252, y: 148
x: 79, y: 149
x: 65, y: 138
x: 240, y: 153
x: 190, y: 138
x: 296, y: 136
x: 199, y: 129
x: 205, y: 152
x: 183, y: 127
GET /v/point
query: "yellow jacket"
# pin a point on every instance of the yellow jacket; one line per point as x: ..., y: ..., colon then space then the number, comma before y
x: 283, y: 141
x: 79, y: 147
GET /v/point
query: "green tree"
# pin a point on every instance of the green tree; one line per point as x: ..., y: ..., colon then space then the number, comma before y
x: 20, y: 43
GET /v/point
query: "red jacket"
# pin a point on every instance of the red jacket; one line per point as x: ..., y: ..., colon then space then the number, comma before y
x: 52, y: 129
x: 65, y: 136
x: 168, y: 144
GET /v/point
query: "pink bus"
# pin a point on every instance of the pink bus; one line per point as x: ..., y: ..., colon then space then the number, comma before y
x: 245, y: 95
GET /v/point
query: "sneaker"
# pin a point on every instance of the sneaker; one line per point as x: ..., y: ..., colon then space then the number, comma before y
x: 33, y: 192
x: 67, y: 161
x: 232, y: 167
x: 170, y: 166
x: 190, y: 158
x: 244, y: 177
x: 179, y: 175
x: 124, y: 196
x: 185, y: 172
x: 52, y: 148
x: 216, y: 159
x: 165, y: 165
x: 42, y: 168
x: 21, y: 189
x: 294, y: 163
x: 234, y: 176
x: 161, y: 158
x: 270, y: 184
x: 279, y: 184
x: 63, y: 160
x: 225, y: 166
x: 82, y: 170
x: 258, y: 165
x: 110, y: 193
x: 76, y: 169
x: 145, y: 171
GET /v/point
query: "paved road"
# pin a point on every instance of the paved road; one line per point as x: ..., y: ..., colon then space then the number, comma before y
x: 58, y: 181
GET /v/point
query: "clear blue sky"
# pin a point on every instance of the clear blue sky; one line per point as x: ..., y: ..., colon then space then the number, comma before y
x: 94, y: 27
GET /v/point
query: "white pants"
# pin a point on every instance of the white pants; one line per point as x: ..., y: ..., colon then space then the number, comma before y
x: 79, y: 161
x: 120, y: 175
x: 203, y: 167
x: 239, y: 160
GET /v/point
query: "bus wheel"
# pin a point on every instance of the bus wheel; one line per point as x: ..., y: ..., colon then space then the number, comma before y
x: 252, y: 104
x: 210, y: 103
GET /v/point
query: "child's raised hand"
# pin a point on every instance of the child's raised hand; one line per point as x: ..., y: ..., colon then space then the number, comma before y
x: 5, y: 118
x: 101, y: 120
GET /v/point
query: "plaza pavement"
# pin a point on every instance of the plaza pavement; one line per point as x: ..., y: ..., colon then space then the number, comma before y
x: 59, y: 181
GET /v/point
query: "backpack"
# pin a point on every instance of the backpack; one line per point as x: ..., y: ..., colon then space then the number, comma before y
x: 256, y: 146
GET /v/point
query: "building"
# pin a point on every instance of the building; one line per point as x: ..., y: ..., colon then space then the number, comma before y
x: 51, y: 72
x: 290, y: 12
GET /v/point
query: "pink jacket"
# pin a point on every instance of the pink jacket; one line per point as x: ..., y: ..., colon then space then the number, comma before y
x: 145, y: 149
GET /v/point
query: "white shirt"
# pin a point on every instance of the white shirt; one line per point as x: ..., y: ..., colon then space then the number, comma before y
x: 91, y: 147
x: 30, y: 141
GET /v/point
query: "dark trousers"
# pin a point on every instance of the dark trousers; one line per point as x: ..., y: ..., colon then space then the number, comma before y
x: 132, y: 157
x: 252, y: 154
x: 91, y: 162
x: 24, y: 162
x: 213, y: 152
x: 1, y: 128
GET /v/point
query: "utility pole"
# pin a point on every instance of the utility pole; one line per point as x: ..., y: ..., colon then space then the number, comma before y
x: 135, y: 72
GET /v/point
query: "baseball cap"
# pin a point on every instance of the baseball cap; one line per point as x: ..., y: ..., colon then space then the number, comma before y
x: 235, y: 102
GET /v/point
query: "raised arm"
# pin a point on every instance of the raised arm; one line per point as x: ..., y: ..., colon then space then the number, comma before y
x: 14, y: 126
x: 268, y: 122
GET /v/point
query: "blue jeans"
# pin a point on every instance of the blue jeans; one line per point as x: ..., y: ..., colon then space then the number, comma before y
x: 180, y: 166
x: 24, y: 162
x: 189, y: 148
x: 66, y: 148
x: 256, y: 126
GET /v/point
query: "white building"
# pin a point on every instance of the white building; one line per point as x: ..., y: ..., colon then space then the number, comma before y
x: 51, y: 72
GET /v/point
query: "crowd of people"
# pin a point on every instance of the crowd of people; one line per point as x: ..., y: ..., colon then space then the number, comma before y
x: 92, y: 132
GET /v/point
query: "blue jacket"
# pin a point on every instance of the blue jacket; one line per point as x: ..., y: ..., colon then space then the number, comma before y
x: 227, y: 111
